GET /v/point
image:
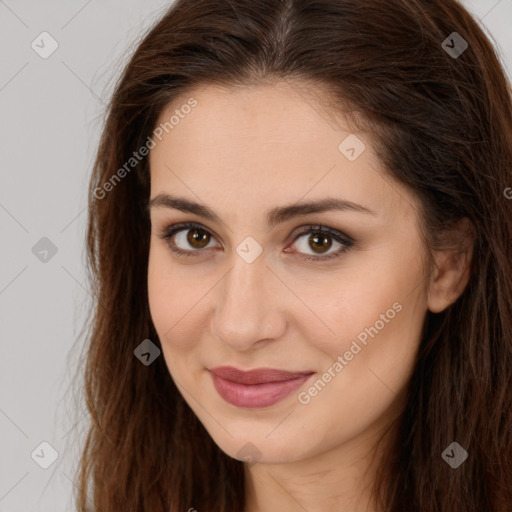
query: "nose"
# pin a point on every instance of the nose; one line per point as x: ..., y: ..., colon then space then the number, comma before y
x: 249, y: 305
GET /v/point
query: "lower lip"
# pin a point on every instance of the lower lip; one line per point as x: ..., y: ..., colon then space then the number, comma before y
x: 256, y: 395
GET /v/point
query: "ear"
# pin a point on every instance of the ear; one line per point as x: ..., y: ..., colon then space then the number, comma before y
x: 452, y: 268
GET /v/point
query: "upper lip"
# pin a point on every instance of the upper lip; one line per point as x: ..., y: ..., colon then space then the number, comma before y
x: 257, y: 375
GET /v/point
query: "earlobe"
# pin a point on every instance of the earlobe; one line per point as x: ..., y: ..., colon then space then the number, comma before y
x: 452, y: 273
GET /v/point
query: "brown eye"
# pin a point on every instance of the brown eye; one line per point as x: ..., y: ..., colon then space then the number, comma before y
x: 198, y: 238
x: 319, y: 242
x: 187, y: 239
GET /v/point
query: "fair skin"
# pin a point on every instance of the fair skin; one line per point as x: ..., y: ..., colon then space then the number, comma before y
x: 242, y: 152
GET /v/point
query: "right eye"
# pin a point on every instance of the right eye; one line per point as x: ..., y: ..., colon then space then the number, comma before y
x: 185, y: 234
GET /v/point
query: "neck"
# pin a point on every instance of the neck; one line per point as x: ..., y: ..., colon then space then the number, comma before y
x: 338, y: 479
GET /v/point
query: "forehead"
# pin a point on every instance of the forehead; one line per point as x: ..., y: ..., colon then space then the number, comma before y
x: 279, y: 116
x: 265, y: 145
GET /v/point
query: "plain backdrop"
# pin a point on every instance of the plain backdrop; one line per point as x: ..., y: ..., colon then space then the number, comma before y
x: 51, y: 110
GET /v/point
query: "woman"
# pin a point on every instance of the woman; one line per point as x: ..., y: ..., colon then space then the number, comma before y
x: 300, y: 238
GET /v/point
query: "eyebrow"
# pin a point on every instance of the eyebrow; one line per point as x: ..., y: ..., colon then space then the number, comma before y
x: 274, y: 216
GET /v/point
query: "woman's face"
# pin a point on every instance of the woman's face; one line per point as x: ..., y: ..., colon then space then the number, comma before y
x: 245, y: 295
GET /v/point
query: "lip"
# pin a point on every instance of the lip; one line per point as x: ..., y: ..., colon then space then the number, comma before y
x: 260, y: 387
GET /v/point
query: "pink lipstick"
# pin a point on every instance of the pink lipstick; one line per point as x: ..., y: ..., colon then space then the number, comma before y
x: 260, y: 387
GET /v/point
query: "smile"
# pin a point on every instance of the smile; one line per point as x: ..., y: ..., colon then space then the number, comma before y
x: 256, y: 388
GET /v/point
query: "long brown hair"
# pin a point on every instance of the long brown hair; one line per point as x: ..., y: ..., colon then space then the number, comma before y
x: 442, y: 126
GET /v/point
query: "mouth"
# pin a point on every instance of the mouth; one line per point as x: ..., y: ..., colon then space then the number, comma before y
x: 261, y: 387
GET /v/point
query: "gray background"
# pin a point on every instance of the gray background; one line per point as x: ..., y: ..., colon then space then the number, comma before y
x: 51, y: 112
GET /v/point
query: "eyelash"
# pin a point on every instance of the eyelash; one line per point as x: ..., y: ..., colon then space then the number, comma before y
x: 338, y: 236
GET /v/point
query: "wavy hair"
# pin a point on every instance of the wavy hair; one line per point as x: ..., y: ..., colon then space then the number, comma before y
x: 442, y: 126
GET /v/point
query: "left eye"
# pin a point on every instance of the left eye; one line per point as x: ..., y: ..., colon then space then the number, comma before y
x: 320, y: 240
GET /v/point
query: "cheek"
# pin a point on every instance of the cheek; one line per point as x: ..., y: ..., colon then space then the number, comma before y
x: 170, y: 299
x: 161, y: 301
x: 352, y: 320
x: 166, y: 308
x: 377, y: 352
x: 177, y: 297
x: 375, y: 300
